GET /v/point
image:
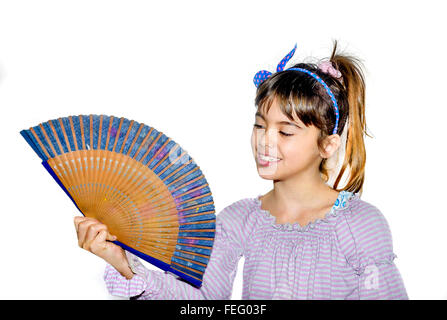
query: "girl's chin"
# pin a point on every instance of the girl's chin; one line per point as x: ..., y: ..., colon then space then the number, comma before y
x: 267, y: 172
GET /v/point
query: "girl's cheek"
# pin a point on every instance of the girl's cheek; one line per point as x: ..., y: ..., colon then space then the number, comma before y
x: 289, y: 150
x: 255, y: 139
x: 253, y: 142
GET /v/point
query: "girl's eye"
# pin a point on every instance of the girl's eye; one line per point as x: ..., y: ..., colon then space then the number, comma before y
x: 282, y: 133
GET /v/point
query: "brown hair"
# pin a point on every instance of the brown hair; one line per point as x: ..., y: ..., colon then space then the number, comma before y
x: 313, y: 106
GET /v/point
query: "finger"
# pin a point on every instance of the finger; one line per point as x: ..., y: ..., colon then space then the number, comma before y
x: 93, y: 230
x: 99, y: 243
x: 82, y: 232
x: 79, y: 219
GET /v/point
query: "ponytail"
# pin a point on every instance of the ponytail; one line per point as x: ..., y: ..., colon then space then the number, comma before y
x: 353, y: 83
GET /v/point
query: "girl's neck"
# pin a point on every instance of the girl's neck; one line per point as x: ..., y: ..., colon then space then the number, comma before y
x: 298, y: 195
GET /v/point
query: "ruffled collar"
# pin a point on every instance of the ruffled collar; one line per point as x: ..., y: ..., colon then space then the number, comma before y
x: 341, y: 203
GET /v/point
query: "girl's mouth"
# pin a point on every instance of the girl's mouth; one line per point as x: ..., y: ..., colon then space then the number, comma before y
x: 264, y: 160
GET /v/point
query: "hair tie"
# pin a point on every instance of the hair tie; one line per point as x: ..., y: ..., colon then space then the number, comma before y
x: 262, y: 75
x: 327, y: 67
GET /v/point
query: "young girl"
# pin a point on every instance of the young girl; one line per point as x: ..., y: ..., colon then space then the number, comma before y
x: 303, y: 239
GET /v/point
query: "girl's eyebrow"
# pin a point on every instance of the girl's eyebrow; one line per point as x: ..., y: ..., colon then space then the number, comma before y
x: 279, y: 122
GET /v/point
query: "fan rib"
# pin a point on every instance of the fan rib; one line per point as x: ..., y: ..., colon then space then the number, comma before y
x: 102, y: 189
x: 143, y: 142
x: 134, y: 139
x: 191, y: 191
x: 177, y: 170
x: 181, y: 177
x: 78, y: 170
x: 195, y: 275
x: 127, y: 135
x: 189, y: 182
x: 118, y: 133
x: 172, y: 163
x: 157, y: 153
x: 97, y: 167
x: 84, y: 156
x: 149, y: 149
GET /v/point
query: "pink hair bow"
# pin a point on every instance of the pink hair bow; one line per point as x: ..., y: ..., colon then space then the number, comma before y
x: 327, y: 67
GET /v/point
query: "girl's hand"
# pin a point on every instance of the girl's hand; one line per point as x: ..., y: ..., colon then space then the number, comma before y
x: 93, y: 236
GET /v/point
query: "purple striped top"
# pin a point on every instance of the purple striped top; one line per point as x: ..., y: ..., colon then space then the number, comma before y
x: 348, y: 254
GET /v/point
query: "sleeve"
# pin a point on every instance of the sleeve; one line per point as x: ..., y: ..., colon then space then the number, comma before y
x: 217, y: 280
x: 366, y: 240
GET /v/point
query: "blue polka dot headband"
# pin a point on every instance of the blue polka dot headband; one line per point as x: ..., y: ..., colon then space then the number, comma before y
x: 262, y: 75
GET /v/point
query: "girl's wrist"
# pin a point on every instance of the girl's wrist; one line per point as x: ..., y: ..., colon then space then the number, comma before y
x: 123, y: 266
x: 125, y: 270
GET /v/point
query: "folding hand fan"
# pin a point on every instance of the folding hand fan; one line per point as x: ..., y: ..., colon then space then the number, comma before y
x: 147, y: 190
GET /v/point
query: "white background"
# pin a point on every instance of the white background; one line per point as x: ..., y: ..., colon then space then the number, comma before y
x: 186, y: 68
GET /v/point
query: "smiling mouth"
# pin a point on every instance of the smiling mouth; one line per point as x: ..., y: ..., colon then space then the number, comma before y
x: 264, y: 160
x: 268, y: 158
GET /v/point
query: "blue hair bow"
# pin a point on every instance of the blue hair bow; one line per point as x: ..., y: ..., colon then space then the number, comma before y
x: 260, y: 76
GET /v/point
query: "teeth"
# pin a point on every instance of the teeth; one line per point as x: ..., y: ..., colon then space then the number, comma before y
x: 268, y: 158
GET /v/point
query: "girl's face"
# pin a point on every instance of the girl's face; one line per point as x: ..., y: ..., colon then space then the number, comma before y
x: 283, y: 148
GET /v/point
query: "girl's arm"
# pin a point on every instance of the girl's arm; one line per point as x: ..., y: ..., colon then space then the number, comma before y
x: 366, y: 240
x: 380, y: 279
x: 217, y: 280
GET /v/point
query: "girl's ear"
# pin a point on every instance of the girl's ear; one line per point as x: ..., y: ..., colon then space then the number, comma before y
x: 330, y: 145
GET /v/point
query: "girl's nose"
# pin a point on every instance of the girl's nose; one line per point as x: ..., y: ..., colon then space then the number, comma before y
x: 267, y: 142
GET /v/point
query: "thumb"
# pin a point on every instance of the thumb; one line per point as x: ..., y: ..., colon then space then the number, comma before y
x: 111, y: 237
